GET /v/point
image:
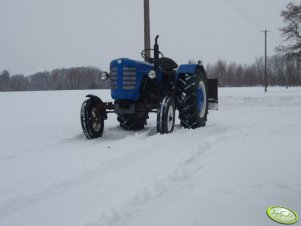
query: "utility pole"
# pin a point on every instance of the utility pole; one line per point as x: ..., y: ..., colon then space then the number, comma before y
x: 146, y: 28
x: 265, y: 61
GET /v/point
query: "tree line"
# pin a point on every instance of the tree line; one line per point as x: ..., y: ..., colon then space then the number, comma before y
x: 58, y: 79
x: 280, y: 72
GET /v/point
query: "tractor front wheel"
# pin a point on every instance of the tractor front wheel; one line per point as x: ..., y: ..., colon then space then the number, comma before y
x: 166, y: 116
x: 91, y: 120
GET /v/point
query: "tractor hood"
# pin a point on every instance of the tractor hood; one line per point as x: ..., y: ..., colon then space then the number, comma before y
x: 126, y: 78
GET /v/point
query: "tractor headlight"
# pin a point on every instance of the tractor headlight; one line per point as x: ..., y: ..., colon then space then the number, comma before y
x: 152, y: 74
x: 104, y: 76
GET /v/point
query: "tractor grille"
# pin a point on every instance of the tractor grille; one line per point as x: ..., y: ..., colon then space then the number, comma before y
x: 114, y: 78
x: 127, y: 80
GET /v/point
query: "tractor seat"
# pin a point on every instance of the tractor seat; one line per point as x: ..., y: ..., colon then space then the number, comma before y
x: 167, y: 64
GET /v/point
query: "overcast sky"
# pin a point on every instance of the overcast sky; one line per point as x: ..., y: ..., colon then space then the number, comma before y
x: 38, y: 35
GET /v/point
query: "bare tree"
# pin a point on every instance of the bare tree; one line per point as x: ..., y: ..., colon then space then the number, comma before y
x: 291, y: 31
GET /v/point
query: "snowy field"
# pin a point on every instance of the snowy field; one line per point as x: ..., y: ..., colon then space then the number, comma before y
x: 246, y: 159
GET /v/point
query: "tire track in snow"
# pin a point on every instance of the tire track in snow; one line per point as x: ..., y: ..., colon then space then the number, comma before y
x: 183, y: 172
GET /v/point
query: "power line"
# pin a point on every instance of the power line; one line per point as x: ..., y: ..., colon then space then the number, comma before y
x: 247, y: 9
x: 243, y: 11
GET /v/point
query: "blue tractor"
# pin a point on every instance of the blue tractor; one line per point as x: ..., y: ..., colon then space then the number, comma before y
x: 157, y: 85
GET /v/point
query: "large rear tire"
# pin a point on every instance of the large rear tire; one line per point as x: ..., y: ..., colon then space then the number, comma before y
x: 91, y: 120
x: 166, y: 116
x: 132, y: 121
x: 192, y: 99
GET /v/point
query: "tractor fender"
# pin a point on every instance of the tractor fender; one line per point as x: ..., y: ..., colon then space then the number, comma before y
x: 93, y: 97
x: 100, y: 106
x: 188, y: 69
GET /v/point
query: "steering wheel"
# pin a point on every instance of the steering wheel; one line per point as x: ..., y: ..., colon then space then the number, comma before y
x: 149, y: 59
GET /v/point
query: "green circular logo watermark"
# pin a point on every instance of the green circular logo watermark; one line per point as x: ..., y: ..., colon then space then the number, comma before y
x: 282, y: 215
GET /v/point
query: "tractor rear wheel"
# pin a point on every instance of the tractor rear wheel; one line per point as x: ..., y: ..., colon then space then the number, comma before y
x: 91, y: 120
x: 166, y: 116
x: 132, y: 121
x: 192, y: 99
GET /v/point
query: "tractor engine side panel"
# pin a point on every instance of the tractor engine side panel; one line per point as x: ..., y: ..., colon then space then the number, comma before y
x: 126, y: 78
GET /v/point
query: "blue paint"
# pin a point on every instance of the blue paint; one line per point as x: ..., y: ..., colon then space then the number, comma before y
x: 186, y: 68
x: 200, y: 98
x: 142, y: 69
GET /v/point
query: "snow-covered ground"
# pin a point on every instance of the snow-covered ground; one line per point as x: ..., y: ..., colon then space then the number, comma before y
x: 246, y: 159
